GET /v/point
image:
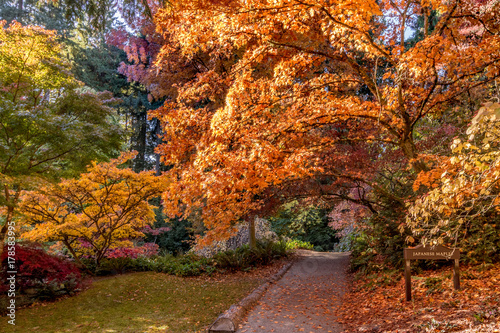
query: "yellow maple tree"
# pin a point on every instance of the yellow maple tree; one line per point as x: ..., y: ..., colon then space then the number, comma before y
x: 49, y: 127
x: 103, y: 209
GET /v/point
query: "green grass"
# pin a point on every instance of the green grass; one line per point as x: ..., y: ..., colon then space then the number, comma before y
x: 137, y: 302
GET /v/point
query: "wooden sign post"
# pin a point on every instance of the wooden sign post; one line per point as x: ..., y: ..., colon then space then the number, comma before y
x: 437, y: 252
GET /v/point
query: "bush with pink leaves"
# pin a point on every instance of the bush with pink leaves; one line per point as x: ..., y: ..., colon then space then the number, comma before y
x: 147, y: 251
x: 119, y: 260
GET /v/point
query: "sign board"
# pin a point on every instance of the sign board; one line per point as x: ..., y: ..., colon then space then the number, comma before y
x: 436, y: 252
x: 433, y: 253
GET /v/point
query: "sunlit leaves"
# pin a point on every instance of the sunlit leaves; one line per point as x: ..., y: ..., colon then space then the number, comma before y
x: 30, y: 59
x: 276, y: 93
x: 101, y: 210
x: 49, y: 127
x: 464, y: 187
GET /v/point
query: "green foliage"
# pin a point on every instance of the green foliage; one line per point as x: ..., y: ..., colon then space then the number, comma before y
x: 378, y: 246
x: 184, y: 265
x: 481, y: 241
x: 32, y: 12
x: 293, y: 244
x: 178, y: 239
x: 307, y: 224
x: 190, y: 264
x: 97, y: 12
x: 57, y: 139
x: 50, y: 127
x: 244, y: 258
x: 95, y: 63
x: 96, y: 66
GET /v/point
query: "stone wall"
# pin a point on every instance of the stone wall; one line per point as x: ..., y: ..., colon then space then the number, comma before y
x: 262, y: 231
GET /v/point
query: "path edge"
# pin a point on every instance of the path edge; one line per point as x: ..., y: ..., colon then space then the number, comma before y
x: 237, y: 312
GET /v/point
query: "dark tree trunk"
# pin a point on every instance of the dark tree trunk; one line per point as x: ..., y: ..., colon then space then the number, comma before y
x: 140, y: 140
x: 157, y: 133
x: 251, y: 232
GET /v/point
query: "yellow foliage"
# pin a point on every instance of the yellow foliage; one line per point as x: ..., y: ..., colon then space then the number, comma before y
x: 103, y: 209
x: 463, y: 187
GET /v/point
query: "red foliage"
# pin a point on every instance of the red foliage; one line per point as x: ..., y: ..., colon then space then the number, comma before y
x: 155, y: 232
x: 35, y: 268
x: 147, y: 250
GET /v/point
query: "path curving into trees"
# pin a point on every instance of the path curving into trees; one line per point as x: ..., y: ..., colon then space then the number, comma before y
x: 304, y: 300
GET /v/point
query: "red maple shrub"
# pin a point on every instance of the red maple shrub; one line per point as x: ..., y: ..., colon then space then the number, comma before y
x: 39, y: 274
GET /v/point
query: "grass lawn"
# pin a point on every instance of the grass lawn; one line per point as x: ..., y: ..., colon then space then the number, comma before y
x: 137, y: 302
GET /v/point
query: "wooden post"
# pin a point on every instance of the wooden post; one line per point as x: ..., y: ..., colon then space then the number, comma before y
x: 408, y: 280
x: 436, y: 252
x: 456, y: 276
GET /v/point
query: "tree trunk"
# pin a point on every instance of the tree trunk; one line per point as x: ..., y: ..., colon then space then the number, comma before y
x: 251, y: 232
x: 139, y: 141
x: 157, y: 142
x: 157, y: 165
x: 5, y: 228
x: 3, y: 232
x: 20, y: 9
x: 410, y: 152
x: 72, y: 251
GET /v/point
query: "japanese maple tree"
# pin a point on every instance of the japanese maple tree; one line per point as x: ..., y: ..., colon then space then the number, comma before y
x: 463, y: 192
x: 49, y: 125
x: 290, y: 91
x: 101, y: 210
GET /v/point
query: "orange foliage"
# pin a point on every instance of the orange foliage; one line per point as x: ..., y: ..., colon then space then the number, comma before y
x: 282, y: 90
x: 377, y: 303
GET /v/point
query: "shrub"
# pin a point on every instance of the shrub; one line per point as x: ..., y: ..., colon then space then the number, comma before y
x: 43, y: 276
x: 190, y: 264
x: 293, y: 244
x: 177, y: 240
x: 243, y: 258
x: 281, y: 249
x: 143, y: 264
x: 122, y: 259
x: 184, y: 265
x: 307, y: 224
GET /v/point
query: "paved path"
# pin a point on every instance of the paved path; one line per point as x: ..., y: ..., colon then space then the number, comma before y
x: 304, y: 299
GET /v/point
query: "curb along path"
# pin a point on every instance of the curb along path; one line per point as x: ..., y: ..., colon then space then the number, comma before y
x: 304, y: 300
